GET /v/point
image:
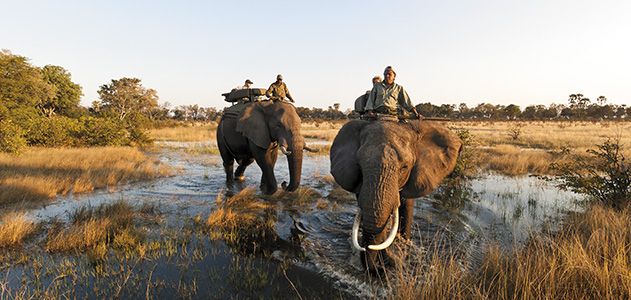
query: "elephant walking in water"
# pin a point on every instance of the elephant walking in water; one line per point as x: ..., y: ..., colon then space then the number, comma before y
x: 387, y: 164
x: 255, y: 134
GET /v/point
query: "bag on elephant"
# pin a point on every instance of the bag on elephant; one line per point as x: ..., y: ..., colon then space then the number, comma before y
x: 249, y: 94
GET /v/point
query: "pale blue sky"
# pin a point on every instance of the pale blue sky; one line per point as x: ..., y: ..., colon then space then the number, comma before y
x: 522, y: 52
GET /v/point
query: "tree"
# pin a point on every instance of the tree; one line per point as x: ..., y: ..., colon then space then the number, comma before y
x: 512, y: 111
x: 601, y: 100
x: 127, y: 95
x: 22, y: 84
x: 67, y: 93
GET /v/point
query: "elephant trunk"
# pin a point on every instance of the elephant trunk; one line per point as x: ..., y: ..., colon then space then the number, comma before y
x: 294, y: 161
x: 378, y: 200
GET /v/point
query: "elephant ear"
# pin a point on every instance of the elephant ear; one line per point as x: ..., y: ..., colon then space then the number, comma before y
x: 437, y: 152
x: 344, y: 165
x: 253, y: 126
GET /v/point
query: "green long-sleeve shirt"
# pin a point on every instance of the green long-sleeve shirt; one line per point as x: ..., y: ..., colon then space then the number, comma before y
x: 390, y: 97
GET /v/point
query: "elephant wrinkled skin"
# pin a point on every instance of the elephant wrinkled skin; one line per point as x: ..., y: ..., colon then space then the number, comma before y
x: 256, y: 134
x: 387, y: 164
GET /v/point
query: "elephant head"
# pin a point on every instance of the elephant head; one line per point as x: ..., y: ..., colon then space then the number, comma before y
x: 271, y: 126
x: 385, y: 162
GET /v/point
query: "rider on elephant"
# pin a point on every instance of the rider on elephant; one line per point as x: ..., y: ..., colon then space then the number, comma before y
x: 388, y: 97
x: 360, y: 103
x: 277, y: 91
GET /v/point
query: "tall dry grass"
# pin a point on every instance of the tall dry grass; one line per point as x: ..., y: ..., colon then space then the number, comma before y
x: 589, y: 257
x: 15, y: 227
x: 550, y: 135
x: 194, y: 133
x: 321, y: 130
x: 511, y: 160
x: 43, y: 173
x: 93, y: 228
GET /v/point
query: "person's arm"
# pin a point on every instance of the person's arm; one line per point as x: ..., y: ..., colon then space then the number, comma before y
x: 287, y: 93
x: 268, y: 93
x: 404, y: 101
x: 370, y: 104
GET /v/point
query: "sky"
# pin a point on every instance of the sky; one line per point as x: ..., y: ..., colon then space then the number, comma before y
x: 444, y: 52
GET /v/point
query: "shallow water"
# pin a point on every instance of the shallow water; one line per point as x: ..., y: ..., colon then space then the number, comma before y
x: 501, y: 210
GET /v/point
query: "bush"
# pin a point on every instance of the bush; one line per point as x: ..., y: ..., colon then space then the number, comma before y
x: 101, y: 132
x: 137, y: 124
x: 606, y: 178
x: 456, y: 189
x: 11, y: 137
x: 53, y: 132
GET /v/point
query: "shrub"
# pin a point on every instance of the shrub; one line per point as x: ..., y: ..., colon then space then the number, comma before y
x: 11, y: 137
x: 456, y: 189
x: 53, y: 132
x: 101, y: 132
x: 606, y: 178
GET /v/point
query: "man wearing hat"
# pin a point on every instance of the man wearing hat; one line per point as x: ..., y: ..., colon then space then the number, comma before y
x: 278, y: 90
x: 247, y: 85
x: 388, y: 97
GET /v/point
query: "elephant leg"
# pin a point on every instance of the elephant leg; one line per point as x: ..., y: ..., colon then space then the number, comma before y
x: 266, y: 159
x: 243, y: 164
x: 406, y: 215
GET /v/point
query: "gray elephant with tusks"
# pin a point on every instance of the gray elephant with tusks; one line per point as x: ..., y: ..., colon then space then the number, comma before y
x: 387, y: 164
x: 256, y: 134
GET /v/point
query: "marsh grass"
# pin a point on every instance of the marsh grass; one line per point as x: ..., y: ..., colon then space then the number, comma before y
x: 303, y: 196
x: 15, y: 227
x: 512, y: 160
x: 244, y: 221
x: 43, y: 173
x: 93, y: 229
x: 549, y: 135
x: 589, y: 257
x: 193, y: 133
x: 321, y: 130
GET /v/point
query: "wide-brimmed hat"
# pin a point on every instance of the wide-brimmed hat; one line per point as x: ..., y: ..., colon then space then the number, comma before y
x: 248, y: 81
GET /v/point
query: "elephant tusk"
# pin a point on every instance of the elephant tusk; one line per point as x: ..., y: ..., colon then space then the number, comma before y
x: 309, y: 149
x: 391, y: 236
x: 385, y: 244
x: 355, y: 233
x: 284, y: 150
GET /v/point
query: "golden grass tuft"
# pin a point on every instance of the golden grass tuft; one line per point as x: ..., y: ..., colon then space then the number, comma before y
x: 589, y: 257
x: 43, y: 173
x: 15, y: 227
x: 240, y: 208
x: 91, y: 228
x: 243, y: 221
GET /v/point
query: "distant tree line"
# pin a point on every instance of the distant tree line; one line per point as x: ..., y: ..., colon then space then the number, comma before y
x: 578, y: 108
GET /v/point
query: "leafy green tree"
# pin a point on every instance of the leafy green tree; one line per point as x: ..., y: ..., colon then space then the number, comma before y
x: 22, y: 84
x: 67, y: 93
x: 126, y: 95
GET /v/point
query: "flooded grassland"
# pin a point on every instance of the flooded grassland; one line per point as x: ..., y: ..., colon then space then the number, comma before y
x: 191, y: 236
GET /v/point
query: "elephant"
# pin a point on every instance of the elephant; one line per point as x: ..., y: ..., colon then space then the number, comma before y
x: 387, y: 164
x: 255, y: 134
